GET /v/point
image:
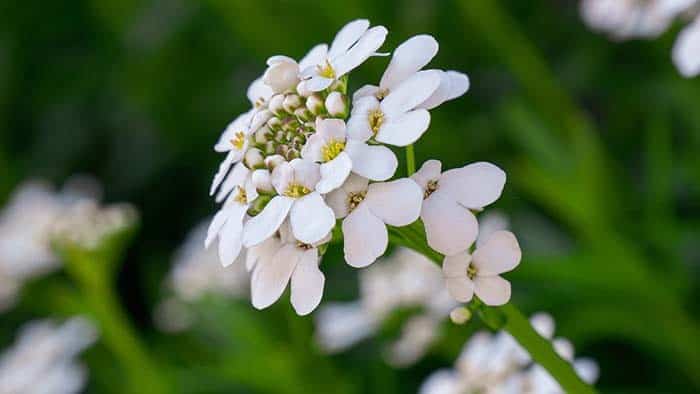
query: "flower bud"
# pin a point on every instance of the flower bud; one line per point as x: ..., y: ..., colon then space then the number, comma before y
x: 254, y: 158
x: 314, y: 103
x: 282, y: 73
x: 291, y: 102
x: 302, y: 90
x: 303, y: 114
x: 274, y: 124
x: 270, y: 147
x: 271, y: 162
x: 262, y: 181
x: 293, y: 154
x: 262, y: 135
x: 275, y: 104
x: 460, y: 315
x: 336, y: 105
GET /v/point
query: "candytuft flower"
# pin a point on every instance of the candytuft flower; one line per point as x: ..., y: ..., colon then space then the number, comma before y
x: 478, y: 273
x: 450, y: 226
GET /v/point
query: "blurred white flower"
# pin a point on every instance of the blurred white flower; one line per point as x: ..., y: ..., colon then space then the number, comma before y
x: 686, y: 51
x: 498, y: 364
x: 43, y: 359
x: 450, y: 226
x: 479, y: 273
x: 285, y: 260
x: 366, y: 210
x: 87, y: 224
x: 26, y: 224
x: 489, y: 223
x: 353, y: 44
x: 405, y: 279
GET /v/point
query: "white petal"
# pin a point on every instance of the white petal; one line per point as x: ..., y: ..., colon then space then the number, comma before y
x: 459, y: 84
x: 237, y: 125
x: 261, y: 227
x: 312, y: 148
x: 331, y: 129
x: 397, y: 203
x: 282, y: 176
x: 501, y: 253
x: 413, y: 91
x: 259, y: 119
x: 355, y: 184
x: 221, y: 173
x: 365, y: 237
x: 348, y: 35
x: 474, y: 186
x: 492, y: 290
x: 429, y: 171
x: 587, y: 369
x: 405, y: 129
x: 311, y: 218
x: 318, y: 83
x: 306, y: 173
x: 375, y: 162
x: 686, y: 50
x: 358, y: 127
x: 365, y: 91
x: 460, y: 288
x: 307, y: 284
x: 271, y: 277
x: 365, y: 47
x: 258, y: 90
x: 450, y: 228
x: 315, y: 57
x: 236, y: 177
x: 334, y: 173
x: 262, y: 252
x: 338, y: 201
x: 230, y: 241
x: 408, y: 58
x: 216, y: 224
x: 455, y: 266
x: 452, y: 85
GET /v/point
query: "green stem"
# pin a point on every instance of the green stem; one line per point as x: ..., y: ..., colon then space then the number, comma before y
x: 410, y: 160
x: 508, y: 317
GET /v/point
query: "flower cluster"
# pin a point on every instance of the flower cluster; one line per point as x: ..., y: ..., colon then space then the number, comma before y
x: 309, y: 154
x: 44, y: 358
x: 86, y: 224
x: 496, y: 363
x: 626, y: 19
x: 26, y: 229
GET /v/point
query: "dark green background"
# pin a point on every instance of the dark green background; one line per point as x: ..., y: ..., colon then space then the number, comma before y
x: 601, y: 142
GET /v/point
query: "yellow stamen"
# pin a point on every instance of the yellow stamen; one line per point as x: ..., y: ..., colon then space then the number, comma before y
x: 241, y: 196
x: 331, y: 150
x: 354, y: 199
x: 430, y: 188
x: 326, y: 70
x: 238, y: 140
x: 376, y: 118
x: 296, y: 191
x: 471, y: 271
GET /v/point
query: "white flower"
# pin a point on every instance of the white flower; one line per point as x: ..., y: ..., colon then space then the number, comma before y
x: 291, y: 260
x: 339, y: 155
x: 479, y: 273
x: 353, y: 44
x: 397, y: 119
x: 409, y: 58
x: 227, y: 224
x: 686, y: 50
x: 282, y: 73
x: 44, y: 358
x: 309, y: 216
x: 450, y: 226
x: 368, y: 209
x: 339, y: 325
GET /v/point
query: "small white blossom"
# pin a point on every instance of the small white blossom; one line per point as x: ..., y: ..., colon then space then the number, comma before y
x: 367, y: 209
x: 467, y: 274
x: 43, y: 359
x: 281, y: 261
x: 87, y: 224
x: 309, y: 216
x: 686, y: 51
x: 450, y: 226
x: 353, y: 44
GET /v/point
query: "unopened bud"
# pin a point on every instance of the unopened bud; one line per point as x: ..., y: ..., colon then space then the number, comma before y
x: 336, y: 105
x: 302, y: 90
x: 293, y: 154
x: 254, y: 158
x: 291, y: 102
x: 262, y: 135
x: 303, y: 114
x: 271, y: 162
x: 261, y: 180
x: 270, y: 147
x: 460, y: 315
x: 275, y: 105
x: 290, y: 125
x: 274, y: 124
x: 314, y: 103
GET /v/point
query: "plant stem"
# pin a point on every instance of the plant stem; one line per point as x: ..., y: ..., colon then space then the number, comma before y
x: 410, y: 160
x: 514, y: 322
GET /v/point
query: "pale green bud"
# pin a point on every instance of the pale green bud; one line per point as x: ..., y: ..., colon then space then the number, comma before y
x: 291, y: 102
x: 336, y: 105
x: 314, y: 103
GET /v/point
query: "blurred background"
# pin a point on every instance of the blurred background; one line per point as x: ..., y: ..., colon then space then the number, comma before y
x: 600, y: 140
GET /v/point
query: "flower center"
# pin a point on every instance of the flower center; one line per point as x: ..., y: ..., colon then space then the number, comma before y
x: 381, y: 93
x: 304, y: 246
x: 354, y: 199
x: 259, y: 102
x: 296, y: 190
x: 375, y: 118
x: 430, y: 188
x: 241, y: 196
x: 471, y: 271
x: 331, y: 150
x: 238, y: 140
x: 326, y: 70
